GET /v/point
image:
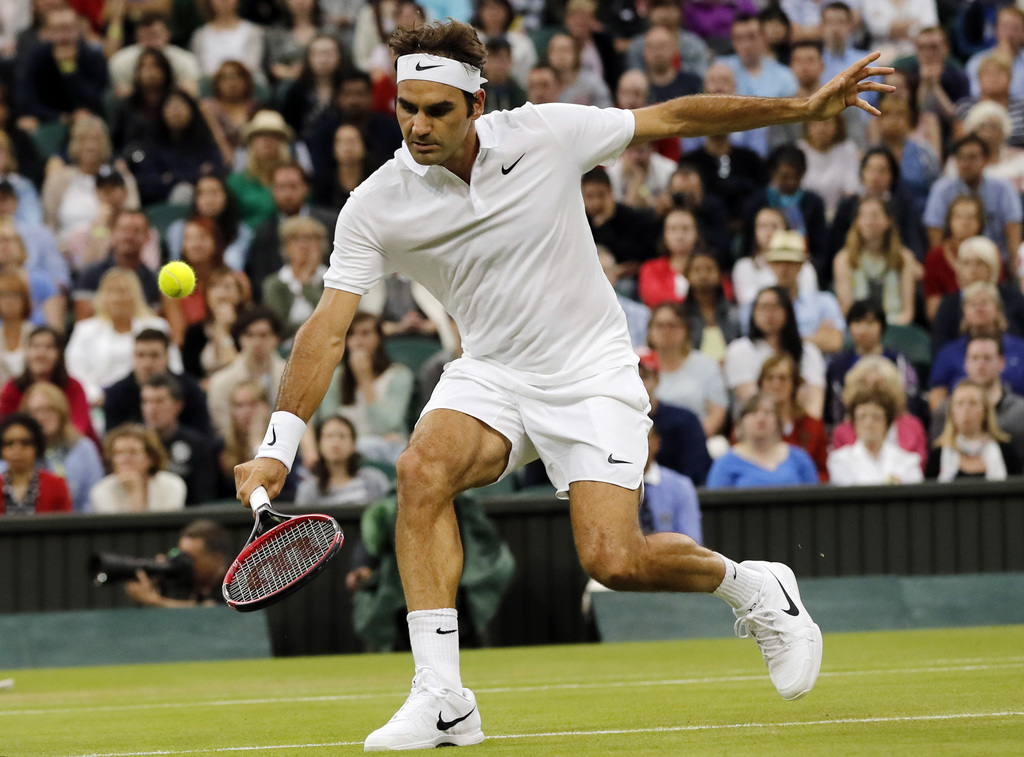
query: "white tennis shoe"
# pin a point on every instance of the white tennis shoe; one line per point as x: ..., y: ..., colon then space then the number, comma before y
x: 790, y: 641
x: 430, y: 717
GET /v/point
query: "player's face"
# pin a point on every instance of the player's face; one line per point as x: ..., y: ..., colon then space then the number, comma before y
x: 434, y: 120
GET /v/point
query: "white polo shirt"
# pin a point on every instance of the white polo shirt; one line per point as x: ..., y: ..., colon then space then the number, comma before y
x: 511, y: 255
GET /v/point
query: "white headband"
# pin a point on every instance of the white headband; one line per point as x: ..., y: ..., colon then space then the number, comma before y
x: 423, y: 67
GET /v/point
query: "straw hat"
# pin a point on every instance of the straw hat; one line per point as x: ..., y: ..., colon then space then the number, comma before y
x: 786, y: 247
x: 267, y: 122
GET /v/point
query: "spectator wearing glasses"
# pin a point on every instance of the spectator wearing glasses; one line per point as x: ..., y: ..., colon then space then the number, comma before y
x: 26, y: 488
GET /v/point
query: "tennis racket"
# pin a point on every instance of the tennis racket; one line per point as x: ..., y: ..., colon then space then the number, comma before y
x: 284, y: 553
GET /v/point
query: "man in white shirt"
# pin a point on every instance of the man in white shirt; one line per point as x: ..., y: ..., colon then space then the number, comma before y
x: 487, y: 214
x: 153, y: 30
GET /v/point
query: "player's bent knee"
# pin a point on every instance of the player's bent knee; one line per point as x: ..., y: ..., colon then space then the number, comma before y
x: 611, y: 566
x: 421, y: 477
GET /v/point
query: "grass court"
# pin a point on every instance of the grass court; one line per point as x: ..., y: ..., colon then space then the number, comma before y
x: 934, y: 692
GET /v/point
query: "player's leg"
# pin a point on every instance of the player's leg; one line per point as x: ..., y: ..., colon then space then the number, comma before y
x: 449, y: 452
x: 764, y: 596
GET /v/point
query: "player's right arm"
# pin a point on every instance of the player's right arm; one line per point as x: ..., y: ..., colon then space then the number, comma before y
x: 316, y: 352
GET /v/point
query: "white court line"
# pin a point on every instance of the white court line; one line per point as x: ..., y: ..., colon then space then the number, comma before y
x: 1001, y: 665
x: 602, y: 732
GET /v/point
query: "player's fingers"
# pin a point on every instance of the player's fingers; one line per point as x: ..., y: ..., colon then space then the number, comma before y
x: 869, y: 108
x: 867, y: 73
x: 873, y: 86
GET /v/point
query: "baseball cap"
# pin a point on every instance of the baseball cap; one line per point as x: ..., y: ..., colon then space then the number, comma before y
x: 786, y: 247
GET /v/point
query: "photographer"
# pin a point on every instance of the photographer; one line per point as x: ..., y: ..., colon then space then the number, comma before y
x: 207, y: 546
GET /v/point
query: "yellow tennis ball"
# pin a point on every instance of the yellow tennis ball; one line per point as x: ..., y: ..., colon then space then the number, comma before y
x: 177, y: 279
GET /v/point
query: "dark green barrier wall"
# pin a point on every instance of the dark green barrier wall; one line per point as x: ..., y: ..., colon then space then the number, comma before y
x: 915, y: 530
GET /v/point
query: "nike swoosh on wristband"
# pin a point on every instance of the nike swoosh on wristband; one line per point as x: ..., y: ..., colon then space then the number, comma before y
x: 613, y: 461
x: 273, y: 437
x: 421, y: 67
x: 444, y: 725
x: 791, y: 610
x: 442, y: 633
x: 507, y: 171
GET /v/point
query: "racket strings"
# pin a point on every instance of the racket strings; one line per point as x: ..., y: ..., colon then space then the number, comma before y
x: 281, y: 557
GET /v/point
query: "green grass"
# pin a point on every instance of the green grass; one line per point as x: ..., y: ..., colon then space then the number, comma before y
x: 945, y: 692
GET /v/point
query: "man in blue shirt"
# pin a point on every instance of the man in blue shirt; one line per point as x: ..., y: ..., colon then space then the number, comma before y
x: 756, y: 73
x: 836, y: 28
x: 1009, y: 45
x: 670, y: 499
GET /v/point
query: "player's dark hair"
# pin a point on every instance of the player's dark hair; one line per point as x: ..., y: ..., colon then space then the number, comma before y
x: 212, y: 534
x: 448, y: 39
x: 789, y: 337
x: 31, y: 425
x: 381, y: 362
x: 861, y: 310
x: 597, y: 175
x: 320, y: 471
x: 167, y: 381
x: 59, y: 373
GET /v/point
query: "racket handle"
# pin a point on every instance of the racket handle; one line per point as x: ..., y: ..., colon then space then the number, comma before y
x: 258, y: 500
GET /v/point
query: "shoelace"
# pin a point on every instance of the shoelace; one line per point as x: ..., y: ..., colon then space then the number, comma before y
x: 759, y: 623
x: 417, y: 696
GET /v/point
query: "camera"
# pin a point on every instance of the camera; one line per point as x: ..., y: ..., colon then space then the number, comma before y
x: 174, y: 575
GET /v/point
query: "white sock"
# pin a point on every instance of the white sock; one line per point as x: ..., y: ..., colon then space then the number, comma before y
x: 434, y: 636
x: 740, y: 583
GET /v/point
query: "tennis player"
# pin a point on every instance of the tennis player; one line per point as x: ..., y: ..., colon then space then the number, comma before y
x: 486, y: 213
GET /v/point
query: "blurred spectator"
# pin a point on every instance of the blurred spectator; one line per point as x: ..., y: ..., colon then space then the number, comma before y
x: 257, y: 332
x: 230, y: 106
x: 214, y: 201
x: 692, y: 52
x: 837, y: 26
x: 192, y: 455
x: 669, y: 501
x: 23, y: 147
x: 267, y: 139
x: 181, y: 149
x: 503, y: 92
x: 30, y: 36
x: 880, y: 177
x: 773, y: 328
x: 939, y: 81
x: 630, y: 234
x: 874, y: 264
x: 687, y: 378
x: 1002, y: 203
x: 683, y: 445
x: 288, y: 44
x: 818, y: 315
x: 577, y: 85
x: 374, y: 24
x: 760, y: 457
x: 991, y: 122
x: 371, y: 391
x: 208, y: 345
x: 712, y: 21
x: 805, y: 16
x: 138, y: 481
x: 752, y: 274
x: 290, y: 199
x: 339, y: 478
x: 62, y: 77
x: 494, y: 19
x: 315, y: 89
x: 29, y: 207
x: 227, y: 36
x: 686, y: 190
x: 756, y: 73
x: 27, y: 488
x: 122, y: 400
x: 712, y: 318
x: 896, y: 24
x: 661, y: 279
x: 70, y: 199
x: 100, y: 348
x: 637, y: 314
x: 780, y: 380
x: 980, y: 264
x: 47, y: 300
x: 832, y: 161
x: 294, y: 291
x: 665, y: 81
x: 597, y: 49
x: 873, y: 458
x: 44, y: 361
x: 14, y: 18
x: 1009, y: 34
x: 972, y: 445
x: 994, y: 80
x: 128, y: 238
x: 136, y: 114
x: 208, y: 546
x: 804, y: 209
x: 918, y: 163
x: 964, y: 257
x: 867, y: 324
x: 778, y: 32
x: 152, y: 32
x: 720, y: 79
x: 542, y: 85
x: 984, y: 364
x: 68, y: 454
x: 352, y: 165
x: 15, y: 323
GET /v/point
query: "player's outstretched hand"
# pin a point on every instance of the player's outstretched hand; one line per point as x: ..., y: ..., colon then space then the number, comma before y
x: 844, y: 90
x: 263, y: 471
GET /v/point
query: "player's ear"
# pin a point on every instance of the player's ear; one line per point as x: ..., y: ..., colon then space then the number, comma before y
x: 478, y: 104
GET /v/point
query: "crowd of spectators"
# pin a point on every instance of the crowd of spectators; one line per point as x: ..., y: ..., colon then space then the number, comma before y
x: 824, y: 302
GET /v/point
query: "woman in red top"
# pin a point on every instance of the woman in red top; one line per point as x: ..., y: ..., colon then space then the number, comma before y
x: 780, y: 380
x: 965, y: 218
x: 44, y: 361
x: 25, y: 488
x: 662, y: 280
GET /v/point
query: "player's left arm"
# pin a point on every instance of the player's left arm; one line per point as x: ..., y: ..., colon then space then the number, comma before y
x: 702, y: 115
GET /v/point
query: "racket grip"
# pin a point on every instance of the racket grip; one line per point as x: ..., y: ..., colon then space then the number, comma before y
x: 258, y: 500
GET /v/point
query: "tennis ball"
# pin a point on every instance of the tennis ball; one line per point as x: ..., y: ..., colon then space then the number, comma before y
x: 177, y: 279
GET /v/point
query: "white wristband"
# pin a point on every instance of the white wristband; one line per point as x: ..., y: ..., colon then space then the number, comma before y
x: 283, y: 436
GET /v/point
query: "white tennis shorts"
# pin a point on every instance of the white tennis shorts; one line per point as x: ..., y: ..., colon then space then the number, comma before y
x: 594, y: 429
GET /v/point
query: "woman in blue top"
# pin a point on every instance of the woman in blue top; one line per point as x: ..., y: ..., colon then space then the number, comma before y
x: 760, y: 457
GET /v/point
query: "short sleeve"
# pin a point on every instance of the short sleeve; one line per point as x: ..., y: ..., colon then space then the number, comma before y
x: 357, y: 262
x: 589, y: 135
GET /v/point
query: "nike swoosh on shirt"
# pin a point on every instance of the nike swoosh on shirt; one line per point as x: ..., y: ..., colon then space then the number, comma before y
x: 507, y: 171
x: 613, y: 461
x: 444, y: 725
